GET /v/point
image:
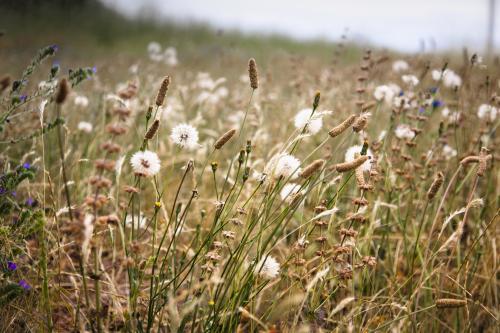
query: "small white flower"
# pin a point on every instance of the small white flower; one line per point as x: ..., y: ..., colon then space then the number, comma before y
x: 385, y: 93
x: 268, y: 268
x: 170, y: 56
x: 85, y: 126
x: 185, y: 136
x: 452, y: 117
x: 138, y: 221
x: 400, y: 66
x: 449, y: 152
x: 145, y: 163
x: 47, y: 86
x: 404, y: 131
x: 449, y: 77
x: 154, y: 47
x: 487, y: 112
x: 289, y: 190
x: 304, y: 118
x: 81, y: 101
x: 287, y: 166
x: 411, y: 80
x: 350, y: 155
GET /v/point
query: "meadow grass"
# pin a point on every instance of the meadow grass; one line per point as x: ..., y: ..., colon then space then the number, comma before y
x: 189, y: 189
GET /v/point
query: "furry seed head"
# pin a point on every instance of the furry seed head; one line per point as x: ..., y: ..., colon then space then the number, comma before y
x: 145, y: 163
x: 185, y: 136
x: 286, y: 166
x: 304, y: 118
x: 268, y: 268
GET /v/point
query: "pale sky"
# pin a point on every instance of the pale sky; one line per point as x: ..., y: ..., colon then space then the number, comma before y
x: 397, y: 24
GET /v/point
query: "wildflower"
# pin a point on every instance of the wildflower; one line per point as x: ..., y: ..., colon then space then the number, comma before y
x: 305, y: 119
x: 138, y: 221
x: 449, y: 152
x: 404, y: 131
x: 452, y: 117
x: 30, y: 202
x: 385, y: 93
x: 400, y: 66
x: 26, y: 165
x: 184, y: 135
x: 487, y: 112
x: 11, y: 266
x: 289, y: 190
x: 170, y: 56
x: 411, y: 80
x: 350, y: 156
x: 268, y: 268
x: 81, y: 101
x: 286, y: 166
x: 449, y: 77
x: 24, y: 285
x: 145, y: 163
x: 85, y: 127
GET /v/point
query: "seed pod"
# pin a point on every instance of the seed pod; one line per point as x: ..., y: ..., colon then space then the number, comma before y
x: 253, y: 74
x: 317, y: 97
x: 337, y: 130
x: 435, y: 186
x: 450, y: 303
x: 224, y: 139
x: 152, y: 130
x: 483, y: 161
x: 312, y: 168
x: 62, y: 91
x: 347, y: 166
x: 469, y: 159
x: 160, y: 97
x: 360, y: 122
x: 360, y: 177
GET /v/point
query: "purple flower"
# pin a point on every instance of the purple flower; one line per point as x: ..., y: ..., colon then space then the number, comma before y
x: 24, y: 284
x: 433, y: 90
x: 30, y: 202
x: 55, y: 47
x: 94, y: 69
x: 23, y: 98
x: 11, y: 266
x: 26, y: 165
x: 401, y: 93
x: 13, y: 193
x: 2, y: 191
x: 421, y: 110
x: 437, y: 103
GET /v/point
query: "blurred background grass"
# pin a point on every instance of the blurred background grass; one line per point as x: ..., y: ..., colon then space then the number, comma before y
x: 87, y: 32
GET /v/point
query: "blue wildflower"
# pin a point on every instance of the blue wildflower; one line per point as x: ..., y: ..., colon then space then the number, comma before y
x: 30, y: 202
x: 421, y: 110
x: 24, y: 284
x: 26, y: 165
x: 11, y: 266
x: 23, y: 98
x: 433, y: 90
x: 436, y: 103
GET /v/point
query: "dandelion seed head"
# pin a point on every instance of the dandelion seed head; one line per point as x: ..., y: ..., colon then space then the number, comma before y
x: 185, y: 136
x: 145, y: 163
